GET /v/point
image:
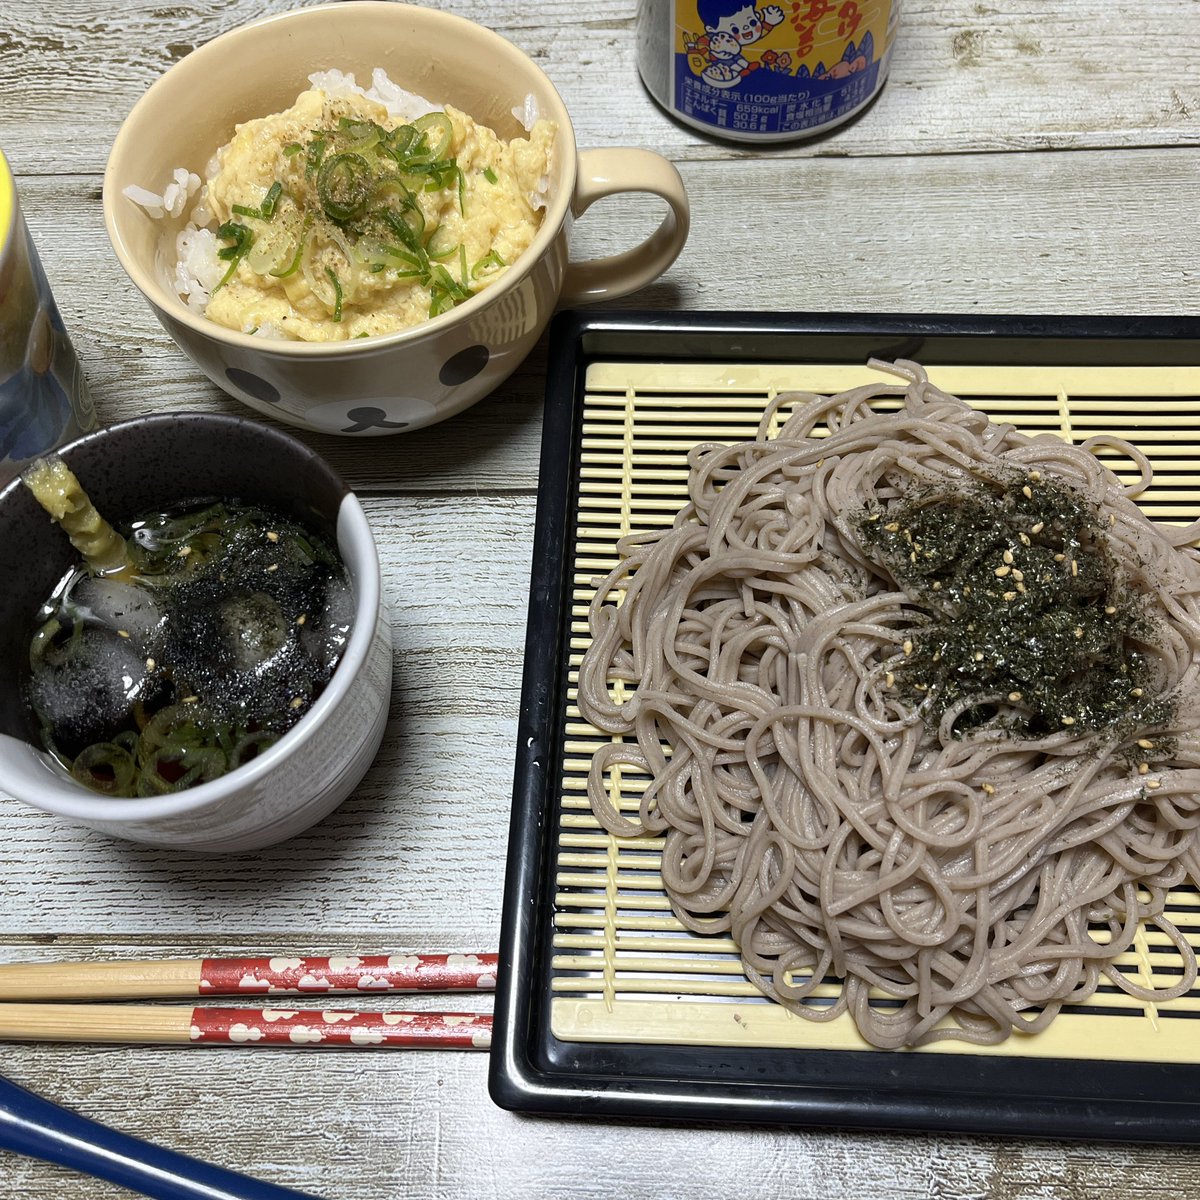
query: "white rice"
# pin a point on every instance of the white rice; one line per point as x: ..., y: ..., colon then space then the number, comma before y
x: 183, y: 186
x: 401, y: 105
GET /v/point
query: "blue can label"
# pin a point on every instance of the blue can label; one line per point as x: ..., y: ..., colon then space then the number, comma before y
x: 747, y: 68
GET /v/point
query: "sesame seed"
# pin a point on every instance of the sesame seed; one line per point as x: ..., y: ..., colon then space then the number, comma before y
x: 907, y: 647
x: 1074, y: 567
x: 1109, y: 609
x: 183, y: 551
x: 301, y: 618
x: 912, y: 556
x: 1002, y: 571
x: 1014, y: 696
x: 1035, y: 475
x: 1145, y: 743
x: 889, y: 679
x: 937, y: 656
x: 1010, y: 596
x: 1154, y: 783
x: 1021, y: 588
x: 908, y: 536
x: 123, y: 633
x: 1143, y: 767
x: 990, y: 788
x: 150, y: 664
x: 1018, y: 575
x: 1059, y: 557
x: 979, y: 656
x: 272, y: 536
x: 892, y: 527
x: 1027, y: 492
x: 191, y: 699
x: 1038, y: 527
x: 1112, y: 518
x: 1068, y: 720
x: 1008, y: 556
x: 1079, y: 631
x: 937, y: 585
x: 273, y: 567
x: 1024, y: 539
x: 1136, y: 692
x: 297, y: 702
x: 966, y: 589
x: 875, y: 516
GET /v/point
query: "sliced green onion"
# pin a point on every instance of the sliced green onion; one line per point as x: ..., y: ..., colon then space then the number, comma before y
x: 251, y: 746
x: 337, y: 293
x: 489, y: 175
x: 344, y: 184
x: 462, y: 263
x: 444, y: 291
x: 436, y: 133
x: 316, y: 153
x: 242, y: 240
x: 292, y: 148
x: 106, y: 767
x: 436, y: 247
x: 271, y: 200
x: 294, y: 265
x: 266, y: 210
x: 486, y: 263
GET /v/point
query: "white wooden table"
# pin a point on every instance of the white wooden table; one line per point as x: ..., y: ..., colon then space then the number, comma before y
x: 1024, y: 157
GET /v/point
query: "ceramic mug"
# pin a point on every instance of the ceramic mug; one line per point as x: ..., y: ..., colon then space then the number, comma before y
x: 429, y: 372
x: 151, y: 463
x: 44, y: 399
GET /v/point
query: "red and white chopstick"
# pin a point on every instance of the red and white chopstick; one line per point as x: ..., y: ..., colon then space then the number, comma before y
x: 363, y: 975
x: 152, y: 1024
x: 279, y: 1025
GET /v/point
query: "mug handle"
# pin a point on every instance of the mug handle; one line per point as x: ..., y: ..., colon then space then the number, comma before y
x: 604, y: 173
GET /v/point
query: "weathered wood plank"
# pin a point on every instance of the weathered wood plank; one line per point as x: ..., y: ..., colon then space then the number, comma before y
x: 1056, y: 232
x: 967, y: 76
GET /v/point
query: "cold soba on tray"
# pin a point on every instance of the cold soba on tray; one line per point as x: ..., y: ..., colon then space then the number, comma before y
x: 174, y: 654
x: 858, y: 770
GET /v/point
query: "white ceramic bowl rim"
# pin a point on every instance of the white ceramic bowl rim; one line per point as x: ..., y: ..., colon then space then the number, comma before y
x: 564, y: 155
x: 69, y: 799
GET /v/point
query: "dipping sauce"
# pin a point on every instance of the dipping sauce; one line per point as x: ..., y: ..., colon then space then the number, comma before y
x: 211, y: 644
x: 757, y: 72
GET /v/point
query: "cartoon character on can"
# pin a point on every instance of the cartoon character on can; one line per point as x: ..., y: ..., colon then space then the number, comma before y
x: 771, y: 71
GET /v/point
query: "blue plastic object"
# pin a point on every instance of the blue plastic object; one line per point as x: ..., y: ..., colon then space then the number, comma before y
x: 35, y: 1127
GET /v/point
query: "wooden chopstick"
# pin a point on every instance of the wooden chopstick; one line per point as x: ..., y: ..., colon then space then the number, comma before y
x: 379, y: 974
x: 204, y: 1026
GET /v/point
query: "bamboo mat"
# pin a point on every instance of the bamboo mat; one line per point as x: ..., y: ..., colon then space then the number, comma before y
x: 624, y: 969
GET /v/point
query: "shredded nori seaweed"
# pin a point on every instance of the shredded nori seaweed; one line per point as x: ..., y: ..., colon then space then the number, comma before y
x: 1030, y: 624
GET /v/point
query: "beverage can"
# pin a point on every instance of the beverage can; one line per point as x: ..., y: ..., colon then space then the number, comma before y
x: 44, y: 400
x: 765, y: 72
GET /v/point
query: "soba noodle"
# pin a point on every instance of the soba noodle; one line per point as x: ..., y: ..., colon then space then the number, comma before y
x: 971, y: 856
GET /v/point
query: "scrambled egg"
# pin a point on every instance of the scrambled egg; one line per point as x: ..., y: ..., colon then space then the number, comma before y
x: 296, y: 271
